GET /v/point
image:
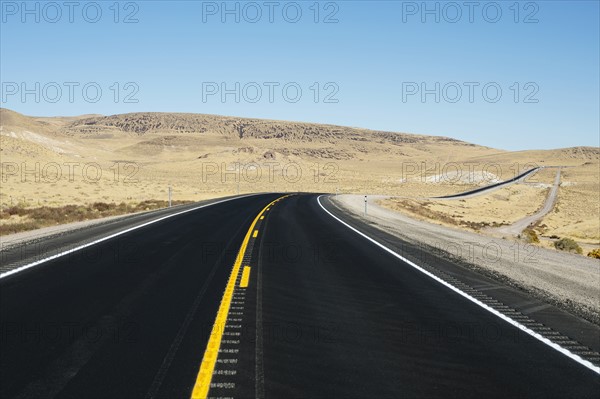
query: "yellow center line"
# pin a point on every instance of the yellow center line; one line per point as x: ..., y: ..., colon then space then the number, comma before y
x: 255, y: 234
x: 209, y: 359
x: 245, y: 277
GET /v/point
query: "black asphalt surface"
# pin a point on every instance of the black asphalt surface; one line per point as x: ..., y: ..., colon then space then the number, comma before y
x: 13, y: 256
x: 327, y: 314
x: 100, y: 323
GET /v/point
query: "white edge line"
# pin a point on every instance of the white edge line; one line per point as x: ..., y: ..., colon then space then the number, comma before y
x: 39, y: 262
x: 520, y: 326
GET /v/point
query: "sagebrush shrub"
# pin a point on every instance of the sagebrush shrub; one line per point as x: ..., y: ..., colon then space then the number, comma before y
x: 568, y: 244
x: 594, y: 253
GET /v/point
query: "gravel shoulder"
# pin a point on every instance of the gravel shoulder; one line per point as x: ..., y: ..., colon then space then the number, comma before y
x: 566, y: 280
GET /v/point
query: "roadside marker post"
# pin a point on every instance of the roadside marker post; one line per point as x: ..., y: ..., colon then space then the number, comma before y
x: 365, y: 205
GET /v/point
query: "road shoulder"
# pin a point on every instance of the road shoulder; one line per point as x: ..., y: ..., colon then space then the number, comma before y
x: 490, y: 267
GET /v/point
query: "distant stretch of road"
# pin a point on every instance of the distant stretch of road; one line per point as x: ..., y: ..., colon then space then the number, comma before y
x: 266, y: 296
x: 518, y: 226
x: 495, y: 186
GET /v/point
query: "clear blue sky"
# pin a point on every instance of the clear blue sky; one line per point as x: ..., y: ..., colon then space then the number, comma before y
x: 377, y: 57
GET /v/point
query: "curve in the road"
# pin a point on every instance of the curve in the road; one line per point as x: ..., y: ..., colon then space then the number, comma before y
x: 316, y: 310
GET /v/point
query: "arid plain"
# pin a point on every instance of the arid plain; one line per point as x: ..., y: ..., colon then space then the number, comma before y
x: 131, y: 158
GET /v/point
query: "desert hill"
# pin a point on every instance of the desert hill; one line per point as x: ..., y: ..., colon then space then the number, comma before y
x: 150, y: 137
x: 242, y: 128
x: 159, y: 131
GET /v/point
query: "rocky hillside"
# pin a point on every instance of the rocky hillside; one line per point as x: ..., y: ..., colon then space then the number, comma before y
x: 145, y: 123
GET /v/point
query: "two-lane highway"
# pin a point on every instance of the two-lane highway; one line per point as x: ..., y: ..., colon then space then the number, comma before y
x: 255, y: 298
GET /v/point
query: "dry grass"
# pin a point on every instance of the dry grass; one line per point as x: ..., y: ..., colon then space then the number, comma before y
x: 595, y: 253
x: 18, y: 218
x: 428, y: 210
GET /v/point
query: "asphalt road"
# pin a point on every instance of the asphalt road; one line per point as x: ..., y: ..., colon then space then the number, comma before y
x: 326, y: 313
x: 490, y: 187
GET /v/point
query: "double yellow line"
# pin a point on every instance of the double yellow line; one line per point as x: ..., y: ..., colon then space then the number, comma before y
x: 211, y: 353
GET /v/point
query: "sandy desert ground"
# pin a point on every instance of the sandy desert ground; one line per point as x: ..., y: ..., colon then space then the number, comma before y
x: 136, y: 157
